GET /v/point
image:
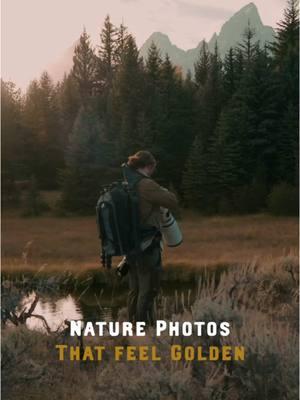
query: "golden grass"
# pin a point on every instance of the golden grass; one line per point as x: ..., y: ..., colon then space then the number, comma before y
x: 261, y: 304
x: 72, y: 243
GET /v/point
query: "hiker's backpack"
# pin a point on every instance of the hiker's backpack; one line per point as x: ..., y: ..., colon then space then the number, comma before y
x: 117, y: 215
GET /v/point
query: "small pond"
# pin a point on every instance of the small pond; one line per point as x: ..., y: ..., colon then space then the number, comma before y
x: 94, y: 297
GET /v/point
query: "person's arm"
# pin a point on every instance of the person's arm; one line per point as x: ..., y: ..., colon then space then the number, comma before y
x: 156, y: 195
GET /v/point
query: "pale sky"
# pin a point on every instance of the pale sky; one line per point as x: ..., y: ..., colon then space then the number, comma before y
x: 34, y: 33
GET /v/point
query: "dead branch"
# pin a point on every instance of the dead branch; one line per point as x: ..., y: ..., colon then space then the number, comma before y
x: 44, y: 321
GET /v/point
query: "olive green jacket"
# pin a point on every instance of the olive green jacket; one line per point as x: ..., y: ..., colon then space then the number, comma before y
x: 152, y: 197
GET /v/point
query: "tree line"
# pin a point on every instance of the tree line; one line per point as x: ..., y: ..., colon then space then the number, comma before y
x: 225, y: 135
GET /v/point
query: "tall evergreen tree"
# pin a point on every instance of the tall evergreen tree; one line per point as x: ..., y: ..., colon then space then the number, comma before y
x: 32, y: 122
x: 211, y: 97
x: 286, y: 47
x: 87, y: 157
x: 128, y: 99
x: 166, y: 120
x: 202, y: 65
x: 84, y: 68
x: 153, y: 92
x: 230, y: 74
x: 43, y: 139
x: 106, y: 68
x: 121, y: 38
x: 50, y: 134
x: 286, y: 52
x: 248, y: 46
x: 69, y: 104
x: 201, y: 177
x: 107, y: 53
x: 11, y: 138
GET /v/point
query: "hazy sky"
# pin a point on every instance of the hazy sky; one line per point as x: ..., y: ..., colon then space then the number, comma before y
x: 34, y: 33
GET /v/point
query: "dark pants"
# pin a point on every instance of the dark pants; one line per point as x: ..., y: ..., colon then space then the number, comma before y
x: 144, y: 283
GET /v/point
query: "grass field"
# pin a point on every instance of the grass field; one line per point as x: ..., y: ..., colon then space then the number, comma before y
x: 258, y: 295
x: 261, y: 304
x: 72, y: 243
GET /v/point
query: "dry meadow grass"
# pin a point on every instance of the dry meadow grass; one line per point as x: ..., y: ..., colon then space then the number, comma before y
x: 261, y: 304
x: 72, y: 243
x: 28, y: 243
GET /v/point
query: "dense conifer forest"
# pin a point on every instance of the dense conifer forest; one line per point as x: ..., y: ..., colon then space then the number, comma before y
x: 225, y: 134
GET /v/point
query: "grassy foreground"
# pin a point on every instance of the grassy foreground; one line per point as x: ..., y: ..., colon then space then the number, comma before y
x: 72, y: 243
x: 261, y: 304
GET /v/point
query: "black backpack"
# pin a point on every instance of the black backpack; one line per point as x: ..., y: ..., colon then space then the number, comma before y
x: 117, y: 215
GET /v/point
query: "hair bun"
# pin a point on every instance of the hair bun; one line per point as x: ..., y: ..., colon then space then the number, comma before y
x: 141, y: 159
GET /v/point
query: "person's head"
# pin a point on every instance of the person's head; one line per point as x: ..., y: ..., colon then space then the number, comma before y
x: 143, y: 161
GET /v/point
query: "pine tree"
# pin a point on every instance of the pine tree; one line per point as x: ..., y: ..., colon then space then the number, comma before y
x: 230, y: 75
x: 11, y: 129
x: 32, y: 124
x: 165, y: 119
x: 286, y: 46
x: 50, y: 135
x: 248, y: 47
x: 211, y: 98
x: 201, y: 177
x: 84, y: 67
x: 87, y: 157
x: 153, y: 93
x: 264, y: 106
x: 69, y: 104
x: 107, y: 53
x: 121, y: 39
x: 286, y: 54
x: 247, y: 128
x: 106, y: 70
x: 192, y: 175
x: 127, y: 102
x: 231, y: 131
x: 202, y: 65
x: 239, y: 64
x: 153, y: 64
x: 288, y: 155
x: 42, y: 139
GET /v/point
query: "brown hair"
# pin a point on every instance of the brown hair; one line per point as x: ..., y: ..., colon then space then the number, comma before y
x: 141, y: 159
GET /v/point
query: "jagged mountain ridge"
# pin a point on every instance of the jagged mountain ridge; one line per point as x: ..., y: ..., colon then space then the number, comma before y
x: 230, y: 34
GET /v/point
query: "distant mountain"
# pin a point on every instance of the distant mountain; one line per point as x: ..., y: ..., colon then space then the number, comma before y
x: 232, y: 31
x: 179, y: 57
x: 230, y: 34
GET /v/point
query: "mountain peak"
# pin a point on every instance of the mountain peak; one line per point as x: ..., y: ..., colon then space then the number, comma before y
x: 230, y: 35
x: 160, y: 38
x: 249, y: 7
x: 249, y: 11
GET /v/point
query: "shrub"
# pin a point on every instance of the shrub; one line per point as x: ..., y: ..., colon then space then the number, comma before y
x: 81, y: 188
x: 9, y: 193
x: 283, y: 200
x: 245, y: 200
x: 34, y: 205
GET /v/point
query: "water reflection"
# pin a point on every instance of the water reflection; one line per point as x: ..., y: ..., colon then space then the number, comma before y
x: 54, y: 311
x: 101, y: 306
